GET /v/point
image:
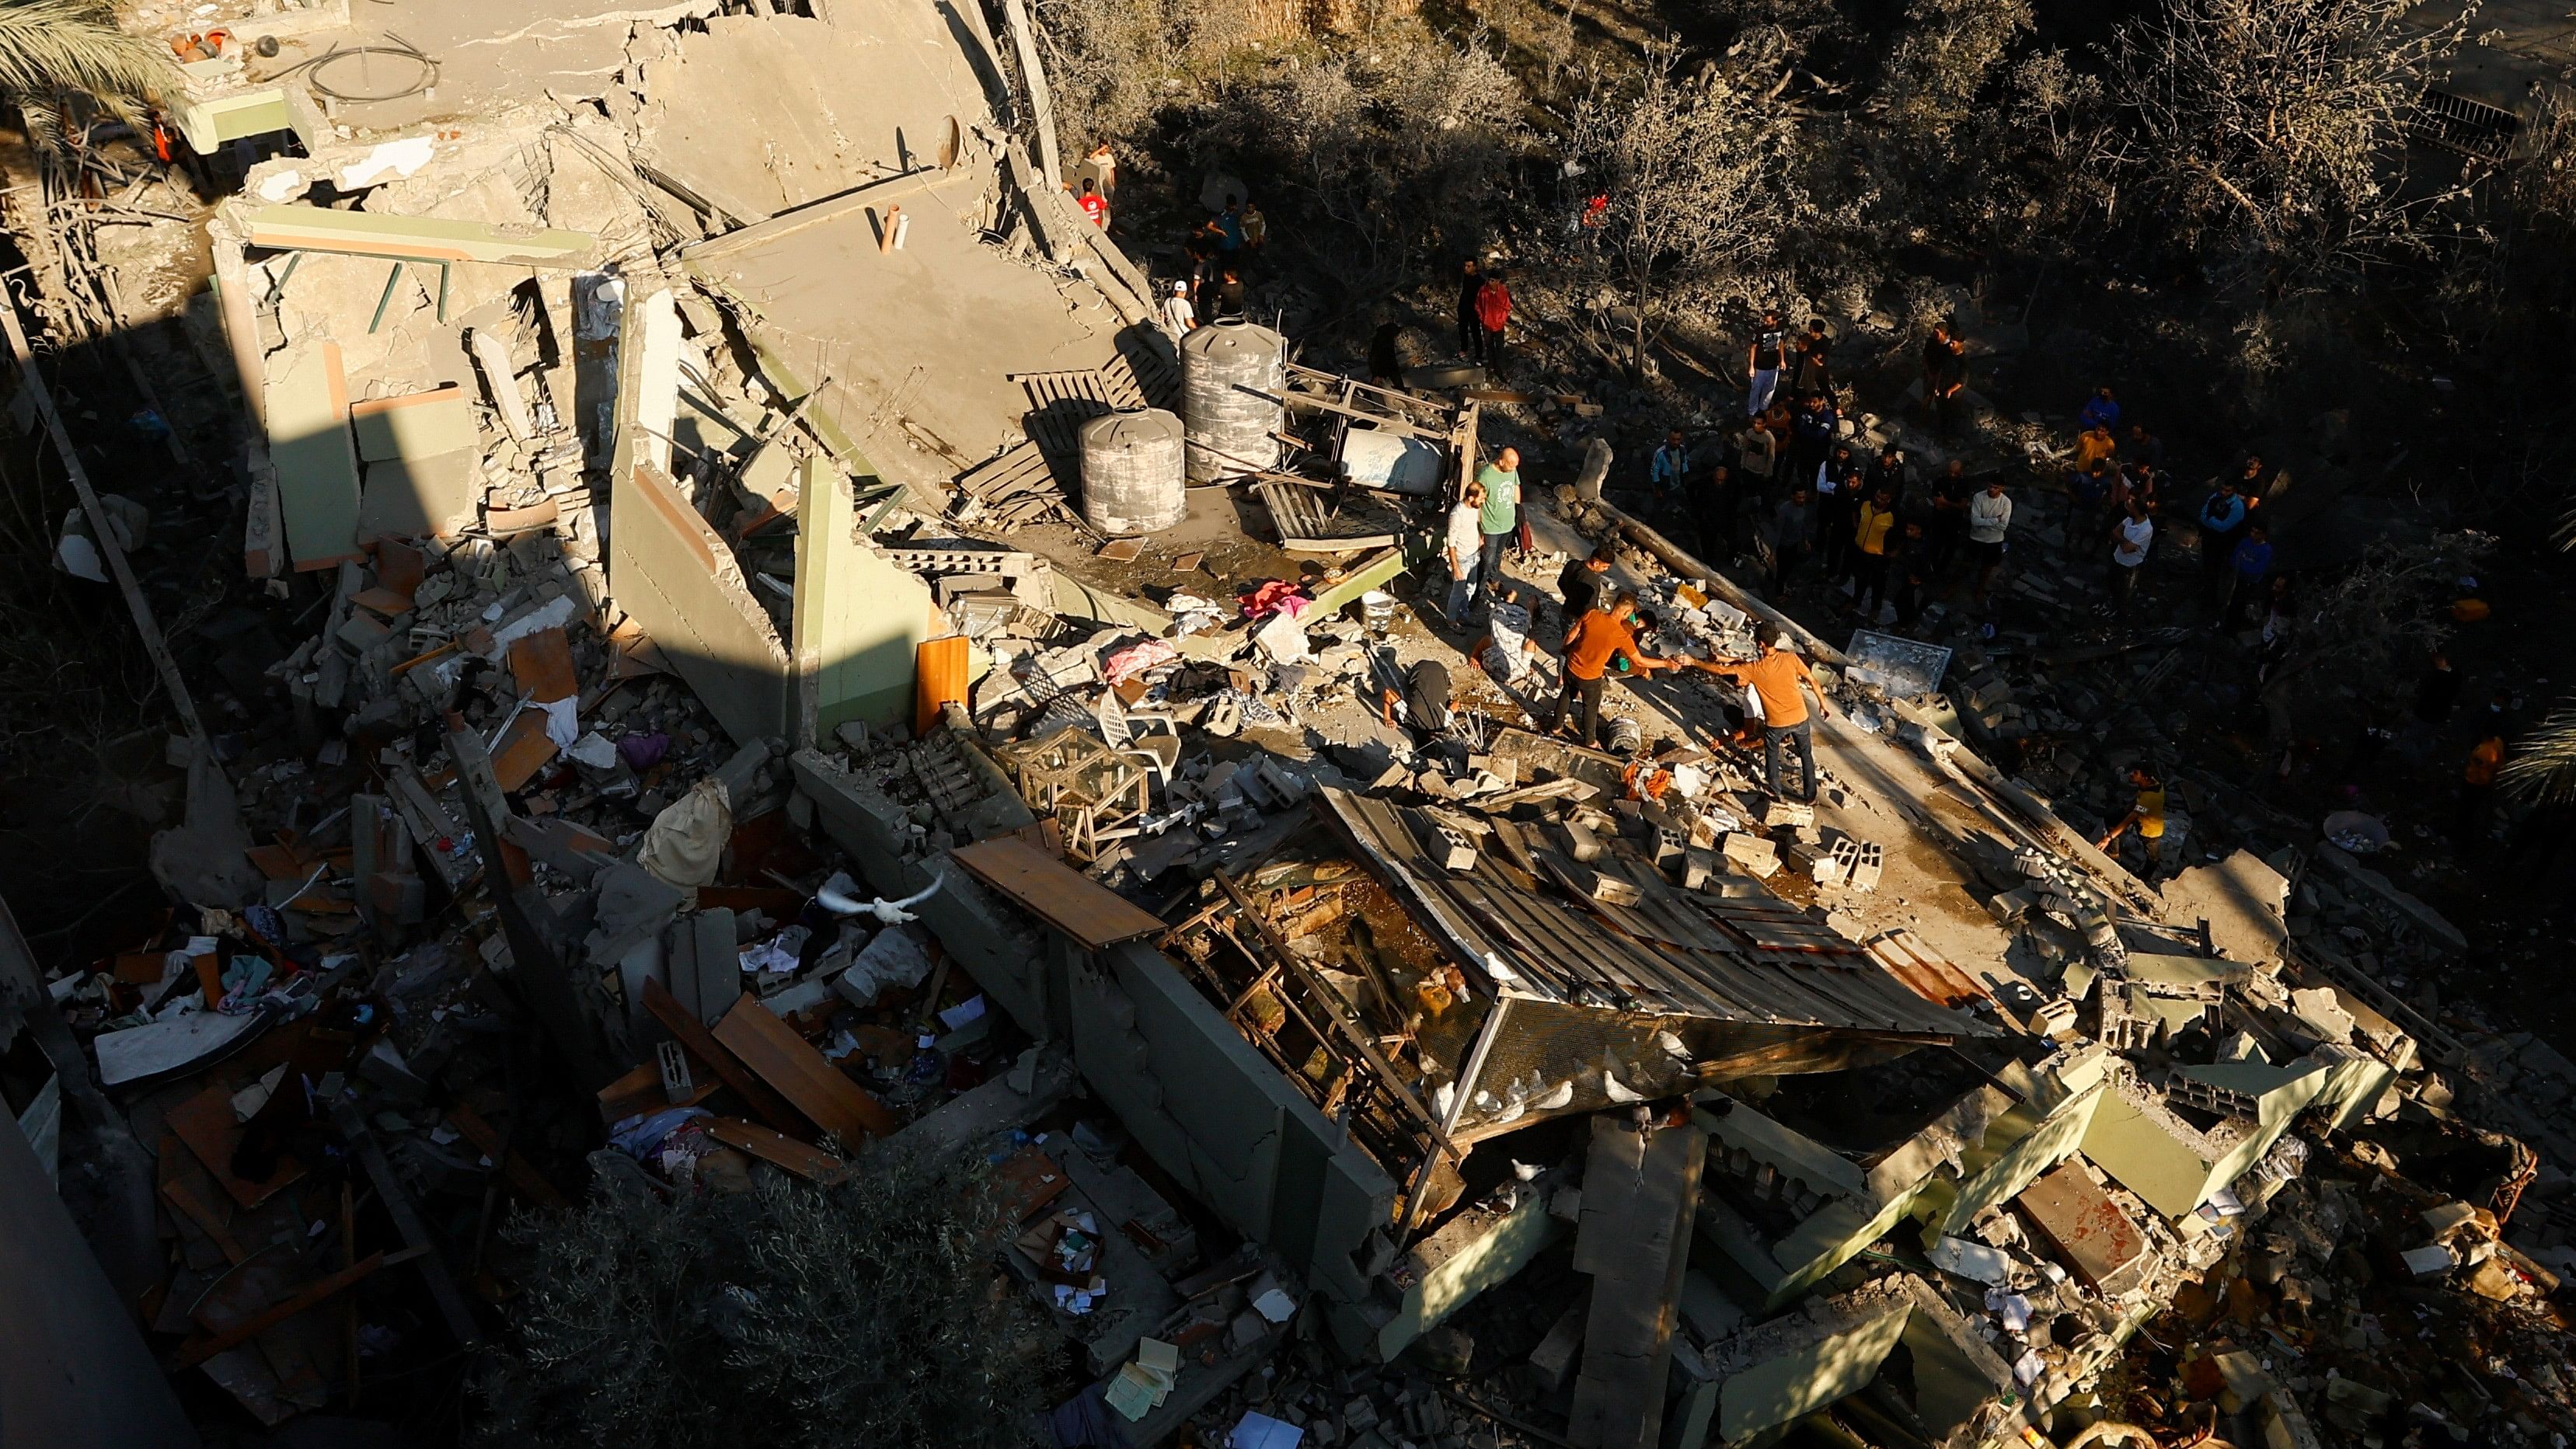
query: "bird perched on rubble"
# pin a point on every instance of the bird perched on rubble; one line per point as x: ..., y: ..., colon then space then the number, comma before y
x: 837, y: 897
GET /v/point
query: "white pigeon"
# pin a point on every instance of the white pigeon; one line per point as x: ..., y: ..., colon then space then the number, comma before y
x: 839, y: 895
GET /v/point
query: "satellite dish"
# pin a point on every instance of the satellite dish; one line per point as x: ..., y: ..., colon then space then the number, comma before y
x: 950, y: 145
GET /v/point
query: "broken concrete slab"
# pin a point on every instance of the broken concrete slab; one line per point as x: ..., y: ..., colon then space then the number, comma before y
x: 316, y: 460
x: 1640, y: 1193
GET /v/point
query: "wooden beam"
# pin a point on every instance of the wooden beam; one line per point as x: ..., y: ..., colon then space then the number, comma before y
x: 1041, y: 107
x: 413, y: 238
x: 692, y: 1033
x: 197, y: 1350
x: 104, y: 535
x: 792, y: 1068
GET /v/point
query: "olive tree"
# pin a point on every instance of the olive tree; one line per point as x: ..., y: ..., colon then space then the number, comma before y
x: 2268, y: 137
x: 790, y: 1315
x: 1700, y: 176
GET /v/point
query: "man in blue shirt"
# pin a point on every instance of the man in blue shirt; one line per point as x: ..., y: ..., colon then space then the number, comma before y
x: 1670, y: 472
x: 2248, y: 567
x: 2088, y: 508
x: 2222, y: 518
x: 1811, y: 436
x: 2102, y: 410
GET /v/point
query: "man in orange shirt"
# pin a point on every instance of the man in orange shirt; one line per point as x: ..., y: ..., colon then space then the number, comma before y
x: 1597, y: 638
x: 1777, y: 677
x: 2478, y: 785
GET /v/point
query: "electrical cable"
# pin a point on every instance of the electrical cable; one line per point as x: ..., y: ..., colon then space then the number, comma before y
x: 429, y: 68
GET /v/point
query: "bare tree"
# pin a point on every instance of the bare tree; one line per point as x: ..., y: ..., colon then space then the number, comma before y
x: 1387, y: 148
x: 1701, y: 182
x: 2269, y: 136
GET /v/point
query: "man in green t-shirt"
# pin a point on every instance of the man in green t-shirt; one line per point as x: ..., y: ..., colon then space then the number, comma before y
x: 1500, y: 518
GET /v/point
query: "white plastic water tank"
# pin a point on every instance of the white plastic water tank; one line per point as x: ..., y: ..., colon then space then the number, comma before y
x: 1131, y: 472
x: 1233, y: 375
x: 1396, y: 462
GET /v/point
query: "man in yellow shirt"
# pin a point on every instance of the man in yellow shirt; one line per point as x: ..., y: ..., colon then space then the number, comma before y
x: 2148, y: 815
x: 1776, y: 677
x: 1867, y: 570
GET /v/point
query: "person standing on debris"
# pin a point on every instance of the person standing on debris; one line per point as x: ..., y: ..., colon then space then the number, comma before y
x: 1763, y: 361
x: 1499, y: 516
x: 2247, y: 568
x: 1791, y: 532
x: 1104, y: 164
x: 1909, y: 567
x: 1598, y: 642
x: 1471, y: 333
x: 1989, y: 519
x: 1669, y: 472
x: 2147, y: 816
x: 2094, y: 445
x: 1838, y: 491
x: 1093, y: 204
x: 1494, y: 314
x: 2088, y: 506
x: 1776, y: 677
x: 2478, y: 784
x: 1254, y: 226
x: 1947, y: 526
x: 2221, y: 516
x: 1386, y: 368
x: 1887, y: 471
x: 2101, y: 411
x: 1178, y: 314
x: 1465, y: 544
x: 1945, y: 378
x: 2129, y: 557
x: 1230, y: 296
x: 1229, y: 228
x: 1716, y: 506
x: 2144, y: 447
x: 1811, y: 436
x: 1759, y: 453
x: 1580, y: 583
x: 1815, y: 359
x: 1873, y: 525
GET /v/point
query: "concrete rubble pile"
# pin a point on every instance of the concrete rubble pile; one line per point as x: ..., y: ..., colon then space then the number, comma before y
x: 714, y: 669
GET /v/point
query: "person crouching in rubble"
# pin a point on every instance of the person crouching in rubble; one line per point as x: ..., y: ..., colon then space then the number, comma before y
x: 1600, y: 639
x: 2147, y: 815
x: 1423, y: 703
x: 1776, y: 676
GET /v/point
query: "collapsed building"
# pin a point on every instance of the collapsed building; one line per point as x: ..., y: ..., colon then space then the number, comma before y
x: 758, y: 524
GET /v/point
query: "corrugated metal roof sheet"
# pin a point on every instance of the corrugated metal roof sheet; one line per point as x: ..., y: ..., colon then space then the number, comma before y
x: 1671, y: 952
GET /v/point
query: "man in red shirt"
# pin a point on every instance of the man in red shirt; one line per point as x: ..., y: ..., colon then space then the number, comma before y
x: 1598, y: 637
x: 1093, y: 204
x: 1494, y: 315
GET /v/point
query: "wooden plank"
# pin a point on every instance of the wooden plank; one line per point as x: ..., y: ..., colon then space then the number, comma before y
x: 205, y: 1122
x: 522, y: 1174
x: 197, y: 1350
x: 791, y: 1067
x: 684, y: 1027
x: 1055, y: 893
x: 803, y: 1159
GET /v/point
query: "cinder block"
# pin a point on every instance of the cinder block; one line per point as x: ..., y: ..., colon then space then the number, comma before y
x: 1751, y: 853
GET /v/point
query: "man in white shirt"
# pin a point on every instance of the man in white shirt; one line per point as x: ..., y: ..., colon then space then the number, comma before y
x: 1989, y: 519
x: 1463, y: 543
x: 1178, y: 314
x: 2129, y: 554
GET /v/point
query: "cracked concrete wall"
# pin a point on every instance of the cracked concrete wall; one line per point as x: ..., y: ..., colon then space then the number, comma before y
x: 2050, y: 1141
x: 675, y: 575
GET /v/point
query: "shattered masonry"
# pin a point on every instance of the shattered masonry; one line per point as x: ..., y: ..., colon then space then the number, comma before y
x: 715, y: 666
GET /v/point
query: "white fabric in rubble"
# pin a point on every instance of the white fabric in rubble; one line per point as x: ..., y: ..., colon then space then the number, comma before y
x: 686, y: 841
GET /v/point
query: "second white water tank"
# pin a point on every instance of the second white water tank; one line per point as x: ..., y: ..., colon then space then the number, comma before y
x: 1131, y: 473
x: 1233, y: 375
